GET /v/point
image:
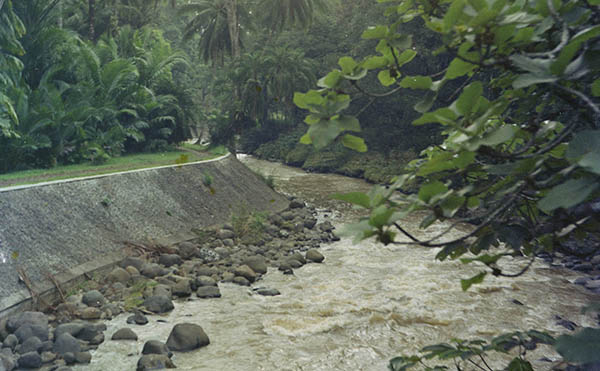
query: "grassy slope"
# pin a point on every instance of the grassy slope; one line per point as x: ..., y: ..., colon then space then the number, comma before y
x: 116, y: 164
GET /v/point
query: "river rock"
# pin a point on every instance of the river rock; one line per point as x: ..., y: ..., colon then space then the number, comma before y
x: 187, y: 336
x: 48, y: 357
x: 310, y: 223
x: 90, y: 313
x: 124, y: 334
x: 205, y: 281
x: 228, y: 242
x: 158, y: 304
x: 162, y: 290
x: 246, y: 272
x: 91, y: 331
x: 26, y: 318
x: 119, y: 275
x: 583, y: 267
x: 182, y: 288
x: 83, y: 357
x: 155, y: 347
x: 203, y: 270
x: 152, y: 270
x: 257, y: 263
x: 314, y: 256
x: 93, y: 298
x: 207, y: 292
x: 290, y: 262
x: 132, y: 261
x: 267, y: 292
x: 239, y: 280
x: 154, y: 362
x: 582, y: 280
x: 133, y: 271
x: 187, y: 250
x: 73, y: 328
x: 27, y: 330
x: 10, y: 342
x: 138, y: 318
x: 32, y: 344
x: 296, y: 204
x: 228, y: 277
x: 299, y: 257
x: 225, y: 234
x: 30, y: 360
x: 592, y: 284
x: 169, y: 260
x: 66, y: 343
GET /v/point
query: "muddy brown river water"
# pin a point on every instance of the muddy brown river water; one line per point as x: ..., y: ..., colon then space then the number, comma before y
x: 364, y: 305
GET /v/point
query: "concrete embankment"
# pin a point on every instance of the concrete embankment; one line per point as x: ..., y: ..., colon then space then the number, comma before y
x: 61, y: 230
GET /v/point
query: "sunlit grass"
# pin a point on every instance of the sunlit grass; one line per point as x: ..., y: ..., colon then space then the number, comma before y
x: 116, y: 164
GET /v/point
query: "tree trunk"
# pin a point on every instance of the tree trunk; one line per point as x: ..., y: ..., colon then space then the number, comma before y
x: 92, y: 19
x: 234, y: 28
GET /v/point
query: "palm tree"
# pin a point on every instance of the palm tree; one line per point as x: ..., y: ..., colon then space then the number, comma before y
x: 281, y: 13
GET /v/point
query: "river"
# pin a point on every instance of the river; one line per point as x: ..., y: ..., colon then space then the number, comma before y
x: 364, y: 305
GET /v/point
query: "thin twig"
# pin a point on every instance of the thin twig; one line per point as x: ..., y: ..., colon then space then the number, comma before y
x: 512, y: 275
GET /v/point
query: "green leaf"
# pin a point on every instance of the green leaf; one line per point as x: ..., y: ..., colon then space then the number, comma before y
x: 570, y: 193
x: 453, y: 13
x: 330, y: 81
x: 451, y: 205
x: 596, y: 87
x: 305, y: 139
x: 581, y: 347
x: 355, y: 143
x: 416, y: 82
x: 401, y: 42
x: 349, y: 123
x: 375, y: 62
x: 427, y: 191
x: 385, y: 78
x: 568, y: 52
x: 426, y: 103
x: 458, y: 68
x: 468, y: 98
x: 348, y: 64
x: 378, y: 32
x: 380, y: 216
x: 518, y: 364
x: 528, y: 79
x: 465, y: 284
x: 323, y: 133
x: 406, y: 56
x: 500, y: 135
x: 356, y: 198
x: 584, y: 149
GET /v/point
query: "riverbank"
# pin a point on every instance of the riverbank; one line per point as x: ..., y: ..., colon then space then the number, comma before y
x: 152, y: 277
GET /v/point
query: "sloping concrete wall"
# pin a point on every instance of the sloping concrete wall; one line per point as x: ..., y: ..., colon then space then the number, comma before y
x: 68, y: 228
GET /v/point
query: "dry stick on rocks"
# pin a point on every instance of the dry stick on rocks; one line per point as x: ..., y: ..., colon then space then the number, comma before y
x: 35, y: 297
x: 57, y: 285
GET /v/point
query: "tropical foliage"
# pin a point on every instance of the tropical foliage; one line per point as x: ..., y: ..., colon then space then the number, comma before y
x: 68, y: 100
x: 517, y: 103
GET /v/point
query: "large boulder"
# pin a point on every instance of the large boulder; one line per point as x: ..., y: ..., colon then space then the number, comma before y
x: 207, y: 292
x: 187, y: 250
x: 246, y: 272
x: 182, y: 288
x: 30, y: 360
x: 155, y: 347
x: 119, y: 275
x: 73, y: 328
x: 158, y: 304
x: 314, y: 256
x: 32, y: 344
x: 66, y: 343
x: 187, y: 336
x: 169, y: 260
x: 132, y: 261
x: 27, y: 330
x: 124, y: 334
x: 93, y: 298
x: 257, y: 263
x: 29, y: 318
x: 154, y: 362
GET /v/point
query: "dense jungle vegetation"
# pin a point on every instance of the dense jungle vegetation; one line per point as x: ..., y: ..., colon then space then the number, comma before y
x: 489, y: 109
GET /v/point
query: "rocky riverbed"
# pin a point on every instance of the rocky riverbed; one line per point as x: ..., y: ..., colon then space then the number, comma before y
x: 147, y: 283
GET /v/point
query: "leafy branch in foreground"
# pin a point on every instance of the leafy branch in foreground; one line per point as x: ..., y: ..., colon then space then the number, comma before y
x: 517, y: 104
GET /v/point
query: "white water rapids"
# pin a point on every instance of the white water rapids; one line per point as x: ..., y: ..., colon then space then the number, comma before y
x: 364, y: 305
